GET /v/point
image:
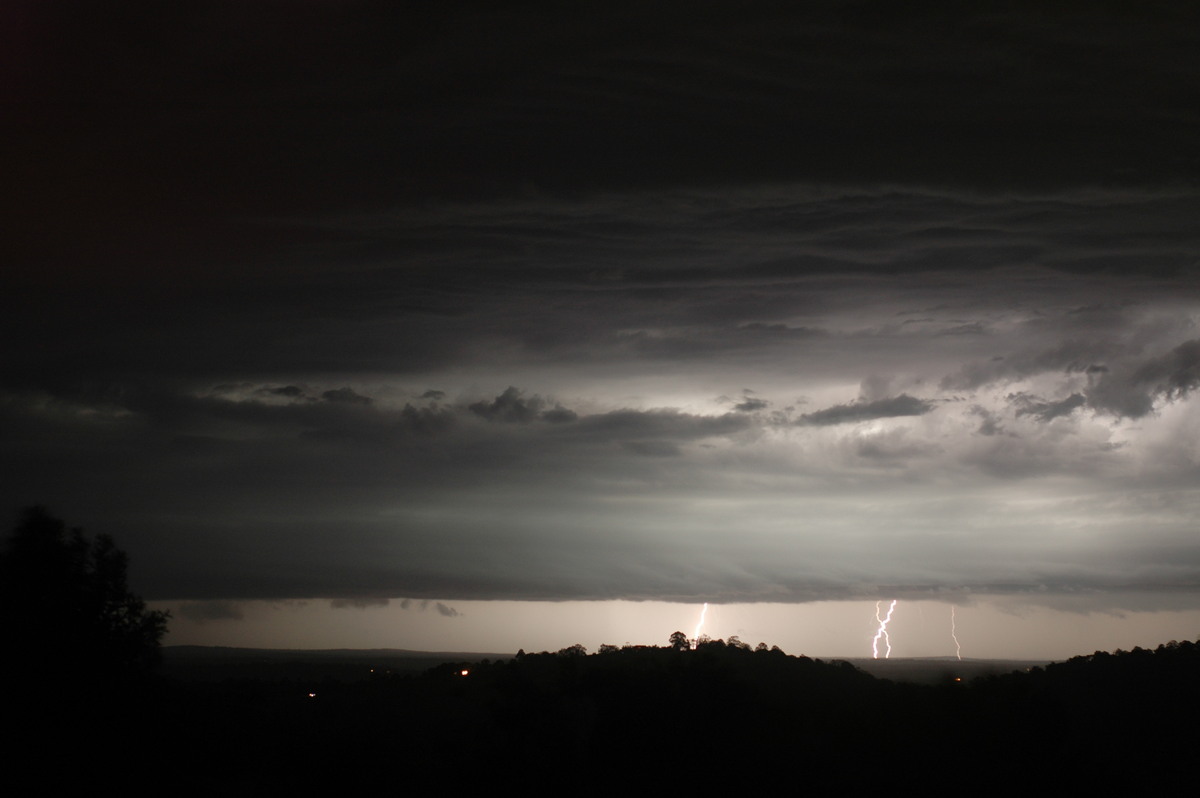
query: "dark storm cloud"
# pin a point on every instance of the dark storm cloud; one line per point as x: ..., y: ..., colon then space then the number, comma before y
x: 559, y: 415
x: 1132, y: 392
x: 661, y: 423
x: 358, y: 603
x: 290, y: 391
x: 446, y: 612
x: 346, y: 395
x: 750, y: 404
x: 163, y: 131
x: 1175, y: 374
x: 692, y: 283
x: 353, y: 518
x: 243, y: 245
x: 1068, y: 356
x: 203, y: 611
x: 903, y: 405
x: 509, y: 406
x: 1046, y: 411
x: 272, y: 493
x: 1128, y: 387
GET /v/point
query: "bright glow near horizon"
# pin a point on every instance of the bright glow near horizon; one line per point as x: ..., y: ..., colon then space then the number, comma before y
x: 989, y: 627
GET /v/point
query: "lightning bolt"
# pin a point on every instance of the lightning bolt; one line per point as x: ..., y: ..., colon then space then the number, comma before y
x: 882, y: 631
x: 953, y: 634
x: 699, y: 625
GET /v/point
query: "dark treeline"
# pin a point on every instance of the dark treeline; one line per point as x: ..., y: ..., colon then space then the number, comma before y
x: 644, y: 716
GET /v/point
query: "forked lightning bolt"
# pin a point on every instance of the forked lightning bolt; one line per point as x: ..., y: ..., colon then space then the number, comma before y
x: 699, y: 626
x: 882, y: 631
x: 954, y: 634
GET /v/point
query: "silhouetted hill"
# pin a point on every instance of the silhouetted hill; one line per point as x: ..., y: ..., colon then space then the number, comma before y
x: 222, y: 662
x: 720, y: 716
x: 940, y: 670
x: 217, y: 663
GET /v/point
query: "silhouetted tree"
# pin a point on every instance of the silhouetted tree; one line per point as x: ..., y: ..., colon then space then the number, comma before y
x: 65, y: 605
x: 679, y: 641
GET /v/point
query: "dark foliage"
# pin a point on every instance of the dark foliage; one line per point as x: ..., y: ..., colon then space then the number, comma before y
x: 67, y: 610
x: 82, y: 705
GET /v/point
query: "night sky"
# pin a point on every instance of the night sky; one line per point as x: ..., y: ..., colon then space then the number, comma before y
x: 460, y: 326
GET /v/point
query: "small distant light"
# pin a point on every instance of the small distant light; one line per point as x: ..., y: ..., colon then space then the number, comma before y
x: 463, y: 672
x: 957, y: 679
x: 312, y: 695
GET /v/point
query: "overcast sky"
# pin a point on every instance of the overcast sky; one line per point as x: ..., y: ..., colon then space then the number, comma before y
x: 769, y: 304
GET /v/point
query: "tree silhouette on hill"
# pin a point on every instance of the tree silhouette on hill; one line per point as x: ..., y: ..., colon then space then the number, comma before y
x: 66, y: 608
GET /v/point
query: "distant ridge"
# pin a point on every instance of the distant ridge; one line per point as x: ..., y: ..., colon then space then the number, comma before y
x: 220, y: 662
x: 216, y: 663
x: 934, y: 670
x: 234, y: 651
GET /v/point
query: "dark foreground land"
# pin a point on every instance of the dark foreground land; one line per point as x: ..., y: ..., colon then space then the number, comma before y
x: 216, y: 663
x: 626, y: 719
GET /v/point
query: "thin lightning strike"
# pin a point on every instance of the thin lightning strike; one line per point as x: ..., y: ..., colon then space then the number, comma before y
x: 882, y: 631
x: 953, y: 634
x: 699, y: 626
